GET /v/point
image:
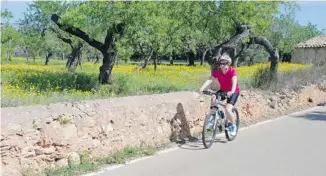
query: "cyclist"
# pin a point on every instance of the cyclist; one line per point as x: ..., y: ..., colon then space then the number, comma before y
x: 227, y: 79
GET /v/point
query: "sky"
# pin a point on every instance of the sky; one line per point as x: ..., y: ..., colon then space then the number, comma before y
x: 313, y: 11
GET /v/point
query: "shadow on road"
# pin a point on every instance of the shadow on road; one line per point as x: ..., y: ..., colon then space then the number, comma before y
x: 180, y: 132
x: 315, y: 115
x: 198, y: 145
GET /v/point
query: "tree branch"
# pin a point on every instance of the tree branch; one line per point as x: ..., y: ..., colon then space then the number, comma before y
x: 273, y: 53
x: 242, y: 31
x: 66, y: 40
x: 77, y: 32
x: 166, y: 46
x: 262, y: 41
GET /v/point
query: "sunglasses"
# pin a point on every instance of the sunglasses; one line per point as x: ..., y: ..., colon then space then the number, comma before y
x: 223, y: 63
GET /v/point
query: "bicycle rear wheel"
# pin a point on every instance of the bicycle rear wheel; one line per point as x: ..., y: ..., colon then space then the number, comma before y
x: 227, y: 133
x: 209, y: 130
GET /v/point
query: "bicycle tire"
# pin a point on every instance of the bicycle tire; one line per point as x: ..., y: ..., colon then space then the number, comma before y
x: 207, y: 118
x: 230, y: 137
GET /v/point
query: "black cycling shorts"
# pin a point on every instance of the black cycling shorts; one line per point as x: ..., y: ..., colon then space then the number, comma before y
x: 232, y: 100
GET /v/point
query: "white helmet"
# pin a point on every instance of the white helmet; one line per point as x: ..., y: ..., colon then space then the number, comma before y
x: 225, y: 57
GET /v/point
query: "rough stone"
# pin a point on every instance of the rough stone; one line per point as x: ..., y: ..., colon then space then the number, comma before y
x: 28, y: 152
x: 74, y: 158
x: 61, y: 163
x: 29, y: 165
x: 46, y: 151
x: 96, y: 143
x: 282, y: 96
x: 14, y: 129
x: 37, y: 123
x: 69, y: 131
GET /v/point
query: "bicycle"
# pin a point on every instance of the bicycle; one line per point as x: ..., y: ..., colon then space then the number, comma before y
x: 221, y: 122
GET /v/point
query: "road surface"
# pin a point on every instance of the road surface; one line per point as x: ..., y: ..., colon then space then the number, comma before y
x: 292, y: 145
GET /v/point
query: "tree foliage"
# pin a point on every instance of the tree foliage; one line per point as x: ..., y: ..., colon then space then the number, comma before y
x: 9, y: 35
x: 153, y: 30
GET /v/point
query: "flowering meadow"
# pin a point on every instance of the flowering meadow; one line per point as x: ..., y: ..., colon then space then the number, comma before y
x: 28, y: 84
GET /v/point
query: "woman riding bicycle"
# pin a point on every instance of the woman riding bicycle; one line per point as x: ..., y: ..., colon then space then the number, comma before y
x: 227, y: 79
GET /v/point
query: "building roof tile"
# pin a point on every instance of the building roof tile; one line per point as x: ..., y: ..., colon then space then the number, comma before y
x: 316, y: 42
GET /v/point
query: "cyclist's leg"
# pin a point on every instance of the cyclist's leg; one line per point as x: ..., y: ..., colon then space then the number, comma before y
x: 229, y: 106
x: 233, y: 99
x: 213, y: 98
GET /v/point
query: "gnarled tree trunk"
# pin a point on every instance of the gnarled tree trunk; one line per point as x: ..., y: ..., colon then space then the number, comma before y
x: 105, y: 76
x: 144, y: 65
x: 230, y: 47
x: 72, y: 62
x: 155, y: 61
x: 146, y: 59
x: 273, y: 53
x: 27, y: 55
x: 47, y: 57
x: 191, y: 58
x: 108, y: 48
x: 74, y: 58
x: 203, y: 56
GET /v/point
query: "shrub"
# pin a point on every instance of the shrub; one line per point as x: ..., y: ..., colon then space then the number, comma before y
x: 54, y: 81
x: 121, y: 85
x: 262, y: 78
x: 291, y: 79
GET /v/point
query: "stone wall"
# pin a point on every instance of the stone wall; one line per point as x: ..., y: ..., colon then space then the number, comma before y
x: 309, y: 55
x: 36, y: 137
x: 46, y: 135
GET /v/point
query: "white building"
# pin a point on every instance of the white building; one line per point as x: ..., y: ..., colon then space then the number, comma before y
x: 310, y: 51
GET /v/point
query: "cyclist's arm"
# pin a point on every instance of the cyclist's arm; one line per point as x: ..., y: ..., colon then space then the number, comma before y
x: 206, y: 83
x: 234, y: 83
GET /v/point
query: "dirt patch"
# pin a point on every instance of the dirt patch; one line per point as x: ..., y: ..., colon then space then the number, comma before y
x: 38, y: 137
x: 259, y: 105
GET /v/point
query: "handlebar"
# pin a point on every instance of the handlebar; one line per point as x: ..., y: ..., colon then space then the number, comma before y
x: 209, y: 92
x: 212, y: 92
x: 219, y: 95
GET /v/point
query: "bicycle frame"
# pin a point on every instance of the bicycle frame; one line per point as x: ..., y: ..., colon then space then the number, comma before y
x: 216, y: 109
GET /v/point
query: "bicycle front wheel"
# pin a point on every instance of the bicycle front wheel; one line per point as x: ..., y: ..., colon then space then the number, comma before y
x: 209, y: 130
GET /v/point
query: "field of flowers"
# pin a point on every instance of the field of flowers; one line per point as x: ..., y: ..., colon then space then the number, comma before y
x: 27, y: 84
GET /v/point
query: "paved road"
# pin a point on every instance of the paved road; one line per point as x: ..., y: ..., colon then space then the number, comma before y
x: 294, y: 145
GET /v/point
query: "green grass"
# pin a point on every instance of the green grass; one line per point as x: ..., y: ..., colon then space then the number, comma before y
x: 34, y: 83
x: 94, y: 164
